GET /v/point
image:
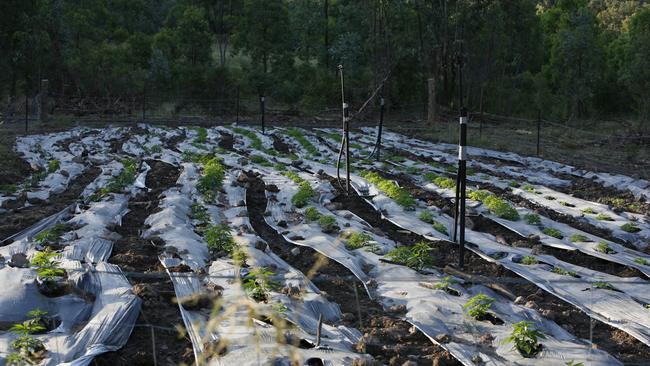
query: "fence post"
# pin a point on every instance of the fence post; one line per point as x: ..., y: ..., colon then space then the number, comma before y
x: 153, y: 345
x: 262, y: 108
x: 381, y: 123
x: 539, y: 128
x: 144, y: 102
x: 237, y: 120
x: 26, y: 111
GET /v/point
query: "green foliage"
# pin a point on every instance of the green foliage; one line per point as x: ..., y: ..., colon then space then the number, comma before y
x: 201, y: 135
x: 588, y: 210
x: 442, y: 182
x: 514, y: 184
x: 258, y: 283
x: 477, y: 307
x: 27, y: 345
x: 440, y: 227
x: 118, y: 183
x: 630, y: 227
x: 445, y: 283
x: 529, y: 188
x: 417, y: 256
x: 239, y: 256
x: 328, y: 224
x: 257, y: 159
x: 312, y: 214
x: 303, y: 196
x: 212, y: 180
x: 53, y: 166
x: 575, y: 238
x: 400, y: 195
x: 604, y: 248
x: 573, y: 363
x: 50, y: 235
x: 37, y: 177
x: 255, y: 141
x: 604, y: 286
x: 550, y: 198
x: 426, y: 216
x: 553, y: 232
x: 219, y: 239
x: 533, y: 219
x: 303, y: 141
x: 603, y: 217
x: 564, y: 272
x: 529, y: 260
x: 27, y: 327
x: 640, y: 260
x: 17, y: 359
x: 357, y: 240
x: 525, y: 338
x: 46, y: 266
x: 496, y: 205
x: 8, y: 188
x: 200, y: 213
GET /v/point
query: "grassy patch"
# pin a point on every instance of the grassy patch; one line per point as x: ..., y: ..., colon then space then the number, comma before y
x: 640, y: 260
x: 496, y: 205
x: 256, y: 143
x: 575, y: 238
x: 398, y: 194
x: 553, y: 232
x: 201, y: 135
x: 260, y: 160
x: 442, y: 182
x: 357, y: 240
x: 564, y: 272
x: 604, y: 286
x: 532, y: 219
x: 588, y: 210
x: 312, y: 214
x: 417, y: 256
x: 303, y: 141
x: 8, y: 188
x: 630, y: 228
x: 604, y: 248
x: 603, y: 217
x: 328, y: 224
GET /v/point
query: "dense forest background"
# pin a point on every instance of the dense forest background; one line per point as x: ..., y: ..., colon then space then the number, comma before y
x: 573, y: 59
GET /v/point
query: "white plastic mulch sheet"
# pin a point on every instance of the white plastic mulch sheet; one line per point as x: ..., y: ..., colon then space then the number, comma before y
x: 625, y: 310
x: 99, y: 314
x: 249, y: 341
x: 434, y: 312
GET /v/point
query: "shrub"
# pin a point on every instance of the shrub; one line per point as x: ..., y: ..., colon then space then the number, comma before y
x: 417, y: 256
x: 564, y: 272
x: 553, y: 232
x: 50, y: 235
x: 630, y: 227
x: 328, y: 224
x: 603, y: 217
x: 53, y: 165
x: 357, y: 240
x: 201, y: 135
x: 212, y: 180
x: 604, y: 248
x: 478, y: 306
x: 440, y: 227
x: 200, y: 213
x: 219, y: 239
x: 533, y: 219
x: 529, y: 260
x: 426, y: 216
x: 118, y: 183
x: 525, y: 338
x: 604, y: 286
x: 46, y: 267
x: 304, y: 194
x: 312, y: 214
x: 575, y: 238
x: 529, y: 188
x: 401, y: 196
x: 258, y: 285
x: 496, y: 205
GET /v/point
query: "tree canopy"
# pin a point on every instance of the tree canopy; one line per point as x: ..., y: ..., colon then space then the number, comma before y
x: 570, y: 58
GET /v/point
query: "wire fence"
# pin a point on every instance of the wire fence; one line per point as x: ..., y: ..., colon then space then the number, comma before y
x: 616, y: 146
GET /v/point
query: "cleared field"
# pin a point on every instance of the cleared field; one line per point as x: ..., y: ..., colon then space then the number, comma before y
x: 223, y: 246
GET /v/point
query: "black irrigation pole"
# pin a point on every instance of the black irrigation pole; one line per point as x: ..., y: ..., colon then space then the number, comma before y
x: 345, y: 142
x: 461, y: 175
x: 144, y: 102
x: 539, y: 128
x: 262, y: 109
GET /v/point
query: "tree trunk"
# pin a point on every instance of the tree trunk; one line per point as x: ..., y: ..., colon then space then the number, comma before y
x: 431, y: 105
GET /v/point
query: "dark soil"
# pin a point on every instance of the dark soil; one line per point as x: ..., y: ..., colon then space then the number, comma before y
x: 226, y: 141
x: 387, y: 338
x: 279, y: 145
x: 135, y: 254
x: 171, y: 142
x: 19, y: 219
x: 612, y: 340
